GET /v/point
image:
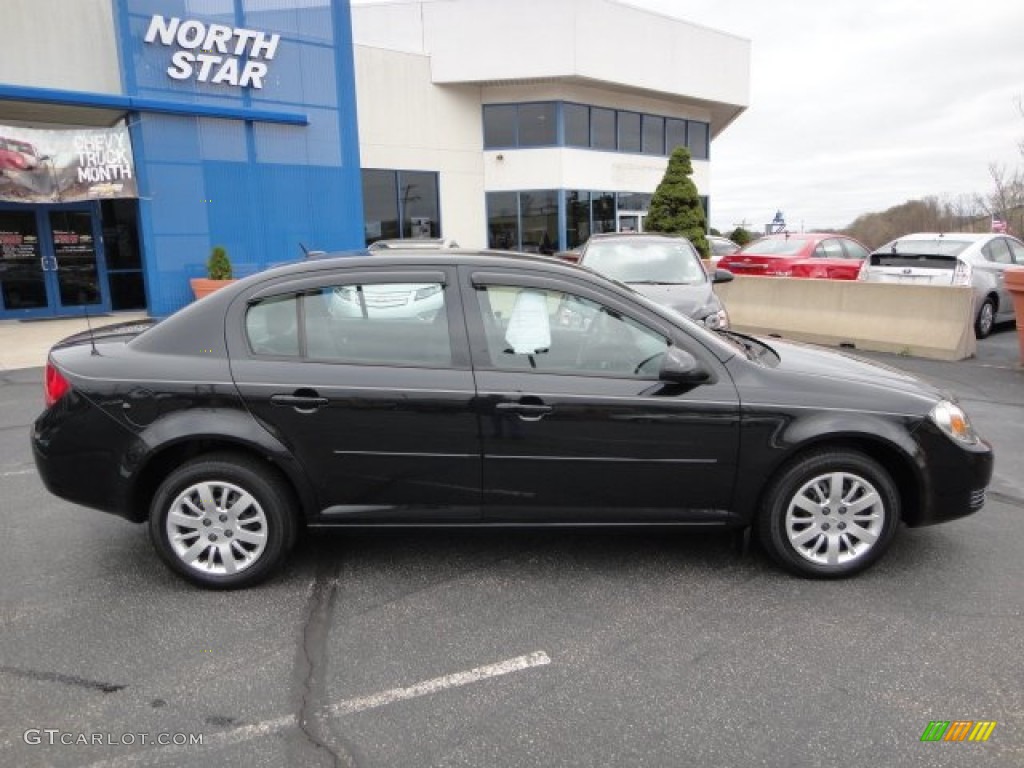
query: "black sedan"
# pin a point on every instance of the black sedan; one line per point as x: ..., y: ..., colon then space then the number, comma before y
x: 487, y: 389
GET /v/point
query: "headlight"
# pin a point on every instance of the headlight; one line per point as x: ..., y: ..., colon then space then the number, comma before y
x: 951, y: 419
x: 718, y: 319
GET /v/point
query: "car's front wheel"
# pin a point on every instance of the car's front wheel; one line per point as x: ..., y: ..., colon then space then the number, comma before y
x: 222, y: 521
x: 829, y: 514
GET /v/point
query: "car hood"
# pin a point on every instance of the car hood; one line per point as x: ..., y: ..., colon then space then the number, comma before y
x: 807, y: 361
x: 686, y: 299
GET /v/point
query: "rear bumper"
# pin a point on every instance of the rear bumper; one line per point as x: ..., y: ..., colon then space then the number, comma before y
x: 76, y: 466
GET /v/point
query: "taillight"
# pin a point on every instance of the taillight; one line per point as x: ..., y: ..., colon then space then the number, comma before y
x: 55, y: 386
x: 862, y: 273
x: 962, y: 273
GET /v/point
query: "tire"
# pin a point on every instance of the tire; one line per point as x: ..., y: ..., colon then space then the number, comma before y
x: 249, y: 535
x: 810, y: 530
x: 985, y: 320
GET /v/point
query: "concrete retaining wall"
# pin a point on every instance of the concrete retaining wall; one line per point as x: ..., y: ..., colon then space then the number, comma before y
x: 917, y: 320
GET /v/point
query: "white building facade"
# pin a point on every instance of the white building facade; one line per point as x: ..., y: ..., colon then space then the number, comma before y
x: 530, y: 124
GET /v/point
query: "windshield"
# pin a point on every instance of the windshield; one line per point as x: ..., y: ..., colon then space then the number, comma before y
x: 658, y: 261
x: 775, y: 246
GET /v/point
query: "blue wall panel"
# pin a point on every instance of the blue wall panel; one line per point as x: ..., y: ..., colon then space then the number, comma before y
x: 258, y: 189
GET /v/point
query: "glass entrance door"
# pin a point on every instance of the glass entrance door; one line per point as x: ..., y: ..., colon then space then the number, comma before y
x: 74, y: 260
x: 51, y: 262
x: 631, y: 222
x: 22, y: 276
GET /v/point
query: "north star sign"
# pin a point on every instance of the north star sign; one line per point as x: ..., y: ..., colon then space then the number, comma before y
x: 213, y: 53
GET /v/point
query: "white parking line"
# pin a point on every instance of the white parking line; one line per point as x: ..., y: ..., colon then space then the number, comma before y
x: 346, y: 707
x: 16, y: 472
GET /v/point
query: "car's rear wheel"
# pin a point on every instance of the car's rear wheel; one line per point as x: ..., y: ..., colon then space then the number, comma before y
x: 986, y: 319
x: 829, y: 514
x: 222, y: 521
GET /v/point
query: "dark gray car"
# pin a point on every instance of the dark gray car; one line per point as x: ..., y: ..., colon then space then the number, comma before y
x: 664, y: 268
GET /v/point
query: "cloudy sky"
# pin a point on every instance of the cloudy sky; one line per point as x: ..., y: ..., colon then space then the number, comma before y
x: 859, y: 105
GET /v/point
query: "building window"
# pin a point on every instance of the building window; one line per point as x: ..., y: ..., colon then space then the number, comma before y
x: 418, y: 202
x: 549, y: 124
x: 400, y: 204
x: 538, y: 126
x: 602, y: 128
x: 499, y: 125
x: 577, y: 218
x: 602, y: 206
x: 577, y: 125
x: 538, y: 211
x: 503, y: 220
x: 675, y: 134
x: 629, y: 132
x: 697, y: 139
x: 653, y: 135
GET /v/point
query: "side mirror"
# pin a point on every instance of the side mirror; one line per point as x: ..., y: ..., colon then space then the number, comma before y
x: 722, y: 276
x: 680, y: 367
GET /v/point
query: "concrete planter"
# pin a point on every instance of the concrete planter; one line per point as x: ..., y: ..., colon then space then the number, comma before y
x: 1014, y: 278
x: 204, y: 286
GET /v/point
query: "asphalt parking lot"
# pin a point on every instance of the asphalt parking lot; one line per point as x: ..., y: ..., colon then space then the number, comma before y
x: 519, y: 648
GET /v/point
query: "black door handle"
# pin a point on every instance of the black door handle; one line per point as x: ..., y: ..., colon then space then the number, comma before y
x: 300, y: 402
x: 525, y: 411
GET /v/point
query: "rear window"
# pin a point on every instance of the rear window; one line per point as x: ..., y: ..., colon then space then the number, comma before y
x: 940, y: 253
x: 788, y: 246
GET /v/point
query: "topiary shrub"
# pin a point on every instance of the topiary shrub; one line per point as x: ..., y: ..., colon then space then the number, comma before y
x: 218, y: 266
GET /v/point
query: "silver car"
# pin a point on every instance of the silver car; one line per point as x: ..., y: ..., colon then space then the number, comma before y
x: 953, y: 258
x: 665, y: 268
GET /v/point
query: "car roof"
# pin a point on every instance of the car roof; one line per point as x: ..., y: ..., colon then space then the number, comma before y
x: 970, y: 236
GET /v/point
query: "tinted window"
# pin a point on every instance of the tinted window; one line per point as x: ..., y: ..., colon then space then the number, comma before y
x: 380, y: 205
x: 537, y: 125
x: 998, y: 251
x: 538, y: 212
x: 549, y: 331
x: 499, y: 125
x: 577, y: 218
x: 379, y: 323
x: 272, y: 327
x: 653, y: 135
x: 771, y: 246
x: 577, y: 125
x: 421, y: 211
x: 629, y: 132
x: 675, y: 135
x: 855, y: 250
x: 697, y: 139
x: 503, y: 220
x: 602, y: 128
x: 830, y: 249
x: 1017, y: 251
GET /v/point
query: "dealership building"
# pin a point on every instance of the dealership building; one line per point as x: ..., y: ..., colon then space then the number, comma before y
x: 136, y: 135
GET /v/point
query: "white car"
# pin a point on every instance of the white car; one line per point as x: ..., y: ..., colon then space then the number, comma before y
x: 953, y: 258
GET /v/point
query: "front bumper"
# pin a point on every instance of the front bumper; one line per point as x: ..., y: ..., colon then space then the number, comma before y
x: 955, y: 478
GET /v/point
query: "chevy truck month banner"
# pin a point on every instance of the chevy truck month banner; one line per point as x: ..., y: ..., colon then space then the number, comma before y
x: 64, y: 166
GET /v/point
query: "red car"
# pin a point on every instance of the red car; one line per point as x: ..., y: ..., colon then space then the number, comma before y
x: 810, y: 254
x: 17, y: 155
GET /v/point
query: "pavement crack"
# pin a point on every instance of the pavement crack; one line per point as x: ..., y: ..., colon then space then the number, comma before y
x: 1006, y: 498
x: 309, y: 675
x: 57, y: 677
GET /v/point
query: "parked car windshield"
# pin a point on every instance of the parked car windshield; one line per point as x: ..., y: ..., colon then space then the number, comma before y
x: 646, y: 261
x: 771, y: 246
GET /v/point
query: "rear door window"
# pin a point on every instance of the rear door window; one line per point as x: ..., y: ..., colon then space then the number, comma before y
x: 998, y: 251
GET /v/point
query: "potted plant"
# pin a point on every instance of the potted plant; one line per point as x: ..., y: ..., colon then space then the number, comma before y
x: 218, y: 273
